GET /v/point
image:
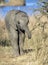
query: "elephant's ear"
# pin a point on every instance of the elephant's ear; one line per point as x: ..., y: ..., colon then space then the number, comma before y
x: 18, y: 25
x: 18, y: 22
x: 27, y: 19
x: 28, y: 22
x: 24, y: 15
x: 18, y: 11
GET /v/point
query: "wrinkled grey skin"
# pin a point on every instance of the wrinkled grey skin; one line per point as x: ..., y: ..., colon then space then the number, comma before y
x: 17, y: 25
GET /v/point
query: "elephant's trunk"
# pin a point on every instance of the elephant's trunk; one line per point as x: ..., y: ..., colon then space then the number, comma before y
x: 28, y: 32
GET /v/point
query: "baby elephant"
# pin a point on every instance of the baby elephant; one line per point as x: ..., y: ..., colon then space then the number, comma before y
x: 17, y: 25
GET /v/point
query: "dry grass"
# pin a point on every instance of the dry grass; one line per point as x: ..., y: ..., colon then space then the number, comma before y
x: 13, y: 3
x: 38, y: 43
x: 3, y: 31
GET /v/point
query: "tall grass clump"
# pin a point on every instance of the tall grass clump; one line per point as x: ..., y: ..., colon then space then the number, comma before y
x: 3, y: 35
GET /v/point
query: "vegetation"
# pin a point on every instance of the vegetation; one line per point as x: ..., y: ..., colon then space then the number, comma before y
x: 43, y: 6
x: 3, y: 34
x: 2, y: 1
x: 12, y: 2
x: 37, y: 46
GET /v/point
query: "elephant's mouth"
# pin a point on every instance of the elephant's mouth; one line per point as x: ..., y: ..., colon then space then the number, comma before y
x: 20, y: 29
x: 23, y: 31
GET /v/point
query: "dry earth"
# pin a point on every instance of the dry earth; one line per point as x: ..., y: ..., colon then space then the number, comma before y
x: 38, y: 43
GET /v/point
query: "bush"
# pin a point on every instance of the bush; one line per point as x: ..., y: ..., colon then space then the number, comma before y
x: 4, y: 39
x: 4, y: 42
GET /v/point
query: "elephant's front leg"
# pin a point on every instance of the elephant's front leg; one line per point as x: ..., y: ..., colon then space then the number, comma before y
x: 21, y: 42
x: 14, y: 41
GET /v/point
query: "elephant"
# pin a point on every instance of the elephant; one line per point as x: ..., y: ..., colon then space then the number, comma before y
x: 17, y: 25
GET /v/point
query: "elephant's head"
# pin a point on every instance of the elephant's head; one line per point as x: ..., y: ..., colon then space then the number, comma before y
x: 22, y: 21
x: 24, y: 27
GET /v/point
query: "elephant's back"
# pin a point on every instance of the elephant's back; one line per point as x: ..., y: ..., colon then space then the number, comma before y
x: 15, y: 15
x: 10, y: 19
x: 10, y: 14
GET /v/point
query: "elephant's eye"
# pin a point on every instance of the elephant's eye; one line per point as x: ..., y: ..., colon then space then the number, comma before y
x: 18, y: 22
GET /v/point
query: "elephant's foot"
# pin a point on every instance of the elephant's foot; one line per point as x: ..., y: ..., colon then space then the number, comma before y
x: 21, y: 52
x: 15, y: 53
